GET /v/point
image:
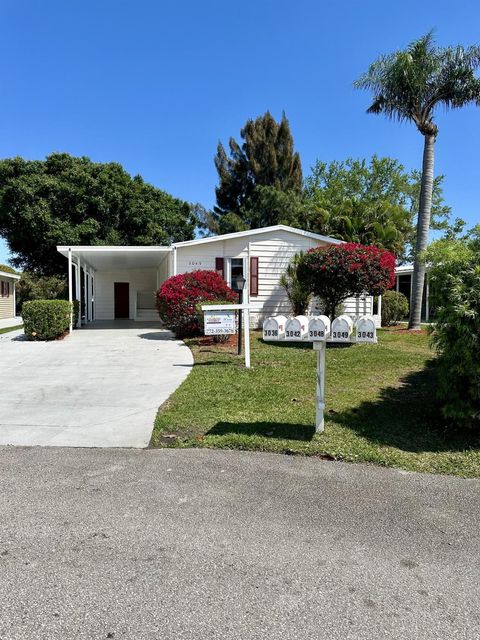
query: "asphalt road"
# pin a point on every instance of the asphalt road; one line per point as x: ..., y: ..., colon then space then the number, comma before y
x: 201, y: 544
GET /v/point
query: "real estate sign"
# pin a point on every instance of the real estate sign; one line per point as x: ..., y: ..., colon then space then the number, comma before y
x: 219, y: 323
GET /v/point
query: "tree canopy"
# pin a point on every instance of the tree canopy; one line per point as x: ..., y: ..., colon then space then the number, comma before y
x: 69, y: 200
x: 410, y: 85
x: 265, y: 158
x: 370, y: 202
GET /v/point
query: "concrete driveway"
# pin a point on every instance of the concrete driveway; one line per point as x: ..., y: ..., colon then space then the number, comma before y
x: 218, y: 545
x: 99, y: 387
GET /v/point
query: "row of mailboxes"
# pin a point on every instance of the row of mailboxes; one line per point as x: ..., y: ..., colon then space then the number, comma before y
x: 318, y: 328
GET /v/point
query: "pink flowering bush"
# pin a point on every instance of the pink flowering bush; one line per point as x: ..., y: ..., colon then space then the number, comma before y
x: 178, y: 297
x: 336, y: 272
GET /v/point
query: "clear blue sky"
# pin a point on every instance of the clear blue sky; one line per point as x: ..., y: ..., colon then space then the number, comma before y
x: 155, y: 84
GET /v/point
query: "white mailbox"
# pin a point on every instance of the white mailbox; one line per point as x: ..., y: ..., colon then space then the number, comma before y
x: 342, y: 328
x: 297, y: 328
x: 365, y: 330
x: 274, y: 328
x: 318, y: 328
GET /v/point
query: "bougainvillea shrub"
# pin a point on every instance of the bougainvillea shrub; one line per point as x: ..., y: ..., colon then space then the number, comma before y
x: 336, y: 272
x: 178, y: 297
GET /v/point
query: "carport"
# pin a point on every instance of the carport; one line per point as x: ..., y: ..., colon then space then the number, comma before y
x: 112, y: 282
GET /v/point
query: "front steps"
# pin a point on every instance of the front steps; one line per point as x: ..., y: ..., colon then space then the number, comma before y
x: 147, y: 315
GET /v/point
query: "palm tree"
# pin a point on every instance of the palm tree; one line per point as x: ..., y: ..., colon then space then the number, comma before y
x: 408, y: 86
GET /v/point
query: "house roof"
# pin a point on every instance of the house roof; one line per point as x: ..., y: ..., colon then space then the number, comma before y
x: 7, y: 274
x: 117, y: 257
x: 125, y: 257
x: 406, y: 269
x: 251, y: 232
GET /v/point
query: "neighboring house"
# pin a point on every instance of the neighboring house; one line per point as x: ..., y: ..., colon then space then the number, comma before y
x: 120, y: 282
x: 7, y: 294
x: 403, y: 284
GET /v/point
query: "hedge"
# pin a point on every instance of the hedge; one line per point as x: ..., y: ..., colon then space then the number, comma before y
x: 45, y: 319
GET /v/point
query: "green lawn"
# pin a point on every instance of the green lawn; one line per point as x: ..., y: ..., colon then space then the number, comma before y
x: 380, y: 405
x: 8, y: 329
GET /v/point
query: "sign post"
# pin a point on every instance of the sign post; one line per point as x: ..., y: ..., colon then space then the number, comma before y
x: 219, y: 319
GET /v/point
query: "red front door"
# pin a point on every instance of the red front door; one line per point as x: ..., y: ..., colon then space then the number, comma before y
x: 122, y: 300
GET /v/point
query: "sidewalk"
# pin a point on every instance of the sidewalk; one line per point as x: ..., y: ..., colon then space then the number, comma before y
x: 10, y: 322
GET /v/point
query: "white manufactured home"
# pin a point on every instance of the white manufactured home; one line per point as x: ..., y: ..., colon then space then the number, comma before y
x: 120, y: 282
x: 7, y: 294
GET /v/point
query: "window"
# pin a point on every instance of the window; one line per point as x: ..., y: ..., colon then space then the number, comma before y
x: 5, y: 289
x: 236, y: 268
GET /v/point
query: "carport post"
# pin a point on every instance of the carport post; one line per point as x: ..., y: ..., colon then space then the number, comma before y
x: 94, y: 308
x: 79, y: 295
x: 85, y: 291
x: 70, y: 296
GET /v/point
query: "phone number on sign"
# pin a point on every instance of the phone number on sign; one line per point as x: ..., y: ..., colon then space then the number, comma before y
x: 216, y: 331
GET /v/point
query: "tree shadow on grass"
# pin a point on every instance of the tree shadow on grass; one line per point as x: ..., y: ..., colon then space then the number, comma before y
x: 280, y: 431
x: 407, y: 416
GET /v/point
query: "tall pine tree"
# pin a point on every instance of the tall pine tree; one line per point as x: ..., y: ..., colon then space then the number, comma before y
x: 265, y: 158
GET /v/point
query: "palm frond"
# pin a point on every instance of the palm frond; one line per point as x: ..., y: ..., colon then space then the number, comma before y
x: 410, y: 84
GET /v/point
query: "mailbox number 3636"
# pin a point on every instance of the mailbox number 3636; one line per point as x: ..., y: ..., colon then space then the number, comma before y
x: 271, y: 332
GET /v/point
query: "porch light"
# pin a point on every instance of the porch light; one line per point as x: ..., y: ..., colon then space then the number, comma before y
x: 238, y: 283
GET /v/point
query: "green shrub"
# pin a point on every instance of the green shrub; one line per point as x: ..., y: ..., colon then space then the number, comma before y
x: 298, y: 293
x: 455, y: 292
x: 394, y: 307
x: 45, y: 319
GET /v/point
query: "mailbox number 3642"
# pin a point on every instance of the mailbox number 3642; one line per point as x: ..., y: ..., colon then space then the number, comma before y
x: 293, y: 334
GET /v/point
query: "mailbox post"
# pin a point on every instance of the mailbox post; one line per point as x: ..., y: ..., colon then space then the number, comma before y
x: 320, y: 348
x: 317, y: 330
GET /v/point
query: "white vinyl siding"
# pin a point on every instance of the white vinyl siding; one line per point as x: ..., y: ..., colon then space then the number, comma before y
x: 140, y: 280
x: 273, y: 258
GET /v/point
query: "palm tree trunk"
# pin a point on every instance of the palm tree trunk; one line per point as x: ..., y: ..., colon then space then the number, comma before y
x: 423, y: 227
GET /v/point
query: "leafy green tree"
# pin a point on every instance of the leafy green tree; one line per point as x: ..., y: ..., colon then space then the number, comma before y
x: 265, y: 158
x: 409, y: 86
x: 36, y: 287
x: 374, y: 202
x: 68, y: 200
